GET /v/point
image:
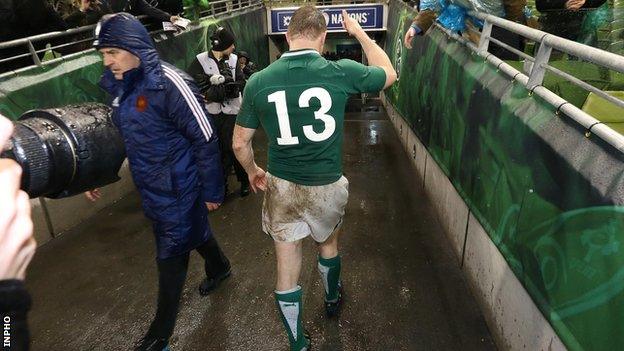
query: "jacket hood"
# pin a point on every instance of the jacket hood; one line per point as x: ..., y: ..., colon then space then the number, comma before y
x: 124, y: 31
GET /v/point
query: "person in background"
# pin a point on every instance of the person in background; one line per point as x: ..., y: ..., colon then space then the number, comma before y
x: 245, y: 64
x: 221, y: 80
x: 175, y: 7
x: 17, y: 247
x: 24, y: 18
x: 87, y: 12
x: 430, y: 10
x: 90, y: 11
x: 565, y: 18
x: 141, y: 7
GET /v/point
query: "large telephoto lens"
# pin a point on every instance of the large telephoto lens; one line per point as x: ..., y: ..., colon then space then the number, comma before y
x: 65, y: 151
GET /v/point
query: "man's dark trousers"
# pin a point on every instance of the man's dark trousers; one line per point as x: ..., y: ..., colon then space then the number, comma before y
x: 225, y: 125
x: 171, y: 277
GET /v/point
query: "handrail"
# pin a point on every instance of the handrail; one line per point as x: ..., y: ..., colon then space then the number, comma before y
x: 547, y: 42
x: 582, y: 51
x: 533, y: 82
x: 46, y: 36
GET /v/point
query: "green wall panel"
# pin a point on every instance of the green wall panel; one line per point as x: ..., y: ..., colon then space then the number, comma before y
x: 549, y: 197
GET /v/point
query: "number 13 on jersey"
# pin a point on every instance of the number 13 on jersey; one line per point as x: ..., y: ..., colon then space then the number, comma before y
x: 286, y: 137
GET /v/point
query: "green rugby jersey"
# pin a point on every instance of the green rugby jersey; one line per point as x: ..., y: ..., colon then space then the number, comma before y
x: 300, y: 101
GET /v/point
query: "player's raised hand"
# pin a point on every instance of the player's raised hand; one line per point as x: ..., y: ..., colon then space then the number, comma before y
x: 351, y: 25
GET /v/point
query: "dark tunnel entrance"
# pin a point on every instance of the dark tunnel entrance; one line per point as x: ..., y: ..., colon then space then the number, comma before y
x: 338, y: 45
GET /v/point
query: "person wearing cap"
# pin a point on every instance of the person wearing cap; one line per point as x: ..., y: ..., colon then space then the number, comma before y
x: 221, y: 80
x: 246, y: 65
x: 174, y: 159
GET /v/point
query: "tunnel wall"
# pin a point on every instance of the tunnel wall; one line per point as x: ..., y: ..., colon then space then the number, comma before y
x: 74, y: 80
x: 547, y: 197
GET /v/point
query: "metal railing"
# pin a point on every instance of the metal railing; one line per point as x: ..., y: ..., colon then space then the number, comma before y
x: 536, y: 67
x: 28, y: 43
x: 76, y: 40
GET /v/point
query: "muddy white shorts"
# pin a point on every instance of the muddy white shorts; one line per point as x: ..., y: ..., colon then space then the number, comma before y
x: 291, y: 212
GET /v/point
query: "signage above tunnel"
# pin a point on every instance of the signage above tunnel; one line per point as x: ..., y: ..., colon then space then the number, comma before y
x: 372, y: 17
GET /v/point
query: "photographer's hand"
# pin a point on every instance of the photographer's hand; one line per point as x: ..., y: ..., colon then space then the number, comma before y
x: 17, y: 245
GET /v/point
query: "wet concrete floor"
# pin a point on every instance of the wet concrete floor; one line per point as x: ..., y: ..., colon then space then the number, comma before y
x: 94, y: 288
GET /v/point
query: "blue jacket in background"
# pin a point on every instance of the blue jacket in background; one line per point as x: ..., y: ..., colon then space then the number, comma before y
x: 170, y: 139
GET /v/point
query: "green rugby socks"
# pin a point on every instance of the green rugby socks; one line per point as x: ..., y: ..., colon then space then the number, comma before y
x: 290, y: 307
x: 330, y: 275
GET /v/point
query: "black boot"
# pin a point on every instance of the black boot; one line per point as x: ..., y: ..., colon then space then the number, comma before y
x: 216, y: 265
x: 208, y: 285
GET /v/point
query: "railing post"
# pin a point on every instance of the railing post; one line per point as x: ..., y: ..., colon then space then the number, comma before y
x: 536, y: 77
x: 527, y: 66
x: 33, y: 53
x: 484, y: 42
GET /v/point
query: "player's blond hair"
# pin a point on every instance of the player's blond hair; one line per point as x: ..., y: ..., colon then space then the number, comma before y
x: 307, y: 22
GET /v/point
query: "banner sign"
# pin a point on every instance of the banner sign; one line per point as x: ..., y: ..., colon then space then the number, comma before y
x: 372, y: 17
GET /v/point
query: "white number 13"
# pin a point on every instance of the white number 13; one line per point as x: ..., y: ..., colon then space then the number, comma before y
x: 286, y: 137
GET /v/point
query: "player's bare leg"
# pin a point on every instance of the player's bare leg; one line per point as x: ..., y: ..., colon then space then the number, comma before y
x: 329, y: 248
x: 329, y: 268
x: 288, y: 294
x: 288, y: 255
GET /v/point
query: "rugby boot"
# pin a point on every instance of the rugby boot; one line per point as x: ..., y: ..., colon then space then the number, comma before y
x: 332, y: 308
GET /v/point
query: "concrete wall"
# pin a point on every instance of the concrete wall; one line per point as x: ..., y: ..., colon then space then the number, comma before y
x: 63, y: 214
x: 514, y: 320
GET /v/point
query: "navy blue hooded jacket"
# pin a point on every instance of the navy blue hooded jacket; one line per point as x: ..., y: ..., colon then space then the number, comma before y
x: 170, y: 139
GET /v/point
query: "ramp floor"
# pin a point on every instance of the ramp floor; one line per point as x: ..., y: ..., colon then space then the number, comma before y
x: 94, y: 287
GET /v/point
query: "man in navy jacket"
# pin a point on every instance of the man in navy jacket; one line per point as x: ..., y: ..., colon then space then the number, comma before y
x: 174, y: 159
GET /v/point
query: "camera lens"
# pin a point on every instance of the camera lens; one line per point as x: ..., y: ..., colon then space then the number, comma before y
x: 65, y: 151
